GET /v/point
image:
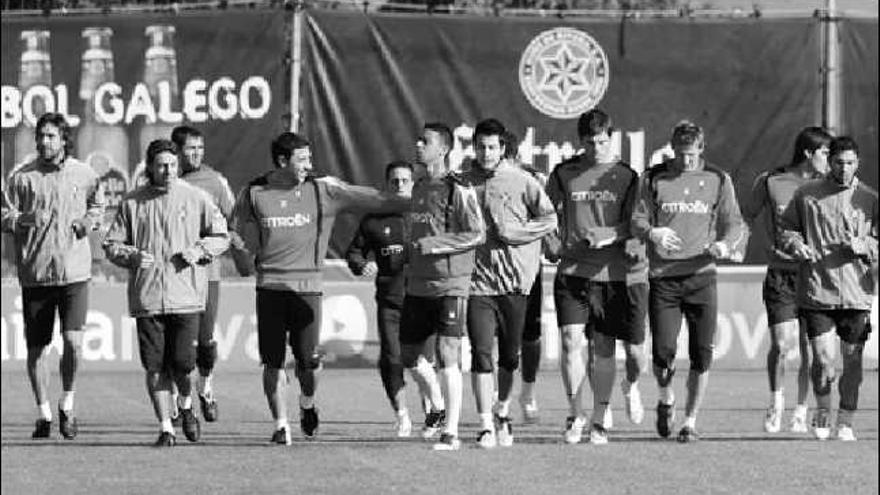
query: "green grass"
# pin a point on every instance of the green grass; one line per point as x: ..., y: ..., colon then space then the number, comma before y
x: 356, y: 454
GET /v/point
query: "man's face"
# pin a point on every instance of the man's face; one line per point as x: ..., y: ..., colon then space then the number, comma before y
x: 489, y: 151
x: 598, y: 147
x: 430, y: 148
x: 301, y: 163
x: 844, y: 166
x: 688, y: 154
x: 163, y: 169
x: 50, y: 144
x: 819, y: 159
x: 400, y: 182
x: 193, y: 152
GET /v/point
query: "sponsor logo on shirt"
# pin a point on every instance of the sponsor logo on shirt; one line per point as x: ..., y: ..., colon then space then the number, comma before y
x: 421, y: 217
x: 297, y: 220
x: 595, y: 196
x: 391, y: 250
x: 698, y: 206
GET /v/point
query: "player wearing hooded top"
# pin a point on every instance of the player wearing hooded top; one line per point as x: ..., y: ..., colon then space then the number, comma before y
x: 285, y: 218
x: 445, y: 226
x: 517, y: 213
x: 832, y: 225
x: 593, y: 194
x: 771, y: 192
x: 687, y: 210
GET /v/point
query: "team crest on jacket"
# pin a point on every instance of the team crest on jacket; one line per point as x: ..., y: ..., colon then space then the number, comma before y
x: 563, y: 72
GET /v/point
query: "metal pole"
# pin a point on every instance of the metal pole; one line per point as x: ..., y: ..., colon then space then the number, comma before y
x: 296, y: 66
x: 832, y: 91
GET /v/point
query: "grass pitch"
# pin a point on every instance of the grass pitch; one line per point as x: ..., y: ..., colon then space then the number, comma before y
x: 355, y: 452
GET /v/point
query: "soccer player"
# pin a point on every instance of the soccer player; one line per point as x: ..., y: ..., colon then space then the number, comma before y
x: 445, y: 227
x: 191, y: 144
x: 772, y: 191
x: 518, y: 214
x: 285, y: 218
x: 831, y: 225
x: 49, y: 207
x: 593, y: 194
x: 687, y: 210
x: 530, y: 361
x: 166, y: 233
x: 384, y: 239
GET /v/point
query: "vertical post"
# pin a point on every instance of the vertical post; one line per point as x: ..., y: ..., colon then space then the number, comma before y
x: 296, y: 66
x: 832, y: 118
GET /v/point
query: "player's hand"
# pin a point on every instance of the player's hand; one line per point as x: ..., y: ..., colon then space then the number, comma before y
x: 143, y: 260
x: 666, y: 238
x: 802, y: 252
x: 370, y: 269
x: 79, y: 228
x: 331, y: 180
x: 718, y: 250
x: 191, y: 256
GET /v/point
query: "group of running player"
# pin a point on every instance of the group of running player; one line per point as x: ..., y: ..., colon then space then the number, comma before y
x: 457, y: 253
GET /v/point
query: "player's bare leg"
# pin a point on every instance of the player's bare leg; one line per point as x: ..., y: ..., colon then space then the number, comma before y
x: 823, y: 375
x: 780, y: 335
x: 634, y: 364
x: 850, y: 381
x: 38, y: 375
x: 574, y: 374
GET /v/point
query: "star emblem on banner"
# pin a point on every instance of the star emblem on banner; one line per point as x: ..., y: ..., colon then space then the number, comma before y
x: 564, y: 72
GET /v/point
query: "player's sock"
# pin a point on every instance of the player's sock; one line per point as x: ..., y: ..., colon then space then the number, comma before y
x: 800, y: 410
x: 690, y: 422
x: 206, y: 385
x: 66, y: 402
x: 845, y: 417
x: 426, y: 377
x: 450, y: 379
x: 667, y: 396
x: 306, y: 402
x: 281, y: 423
x: 778, y: 399
x: 527, y: 392
x: 503, y: 408
x: 184, y: 401
x: 167, y: 425
x: 45, y: 411
x: 823, y: 402
x: 486, y: 422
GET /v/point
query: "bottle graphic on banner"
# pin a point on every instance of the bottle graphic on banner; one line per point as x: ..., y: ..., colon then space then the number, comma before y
x: 160, y: 77
x: 103, y: 146
x: 35, y: 69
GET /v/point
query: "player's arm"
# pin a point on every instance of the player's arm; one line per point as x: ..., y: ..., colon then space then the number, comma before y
x: 643, y: 209
x: 9, y: 212
x: 118, y: 244
x: 790, y: 234
x: 214, y: 236
x: 733, y: 232
x: 552, y: 242
x: 361, y: 199
x: 541, y: 221
x: 863, y: 241
x: 469, y: 229
x: 356, y: 254
x: 605, y: 236
x: 245, y: 236
x: 757, y: 199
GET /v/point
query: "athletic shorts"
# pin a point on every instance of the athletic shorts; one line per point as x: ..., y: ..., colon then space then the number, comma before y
x: 614, y: 309
x: 168, y: 342
x: 780, y: 295
x: 696, y: 298
x: 426, y: 316
x: 287, y: 317
x: 853, y: 325
x: 40, y: 304
x: 490, y: 316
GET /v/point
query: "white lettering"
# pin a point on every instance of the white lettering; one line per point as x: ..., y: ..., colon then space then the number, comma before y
x: 99, y: 330
x: 28, y: 104
x: 141, y: 105
x: 61, y: 96
x: 117, y: 109
x: 226, y: 340
x: 227, y: 109
x: 165, y: 113
x: 699, y: 207
x: 264, y: 94
x: 11, y: 106
x: 195, y: 101
x: 128, y: 330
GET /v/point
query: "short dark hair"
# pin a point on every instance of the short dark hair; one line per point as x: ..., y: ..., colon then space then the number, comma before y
x: 285, y: 143
x: 159, y: 146
x: 443, y: 130
x: 180, y: 133
x: 593, y: 122
x: 841, y: 144
x: 687, y: 133
x: 398, y: 164
x: 59, y: 121
x: 490, y: 127
x: 511, y: 145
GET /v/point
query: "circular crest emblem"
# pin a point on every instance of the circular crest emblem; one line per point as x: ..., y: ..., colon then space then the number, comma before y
x: 563, y: 72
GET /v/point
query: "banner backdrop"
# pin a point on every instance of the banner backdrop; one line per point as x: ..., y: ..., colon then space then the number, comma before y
x: 370, y: 82
x: 349, y: 337
x: 126, y: 80
x: 860, y: 58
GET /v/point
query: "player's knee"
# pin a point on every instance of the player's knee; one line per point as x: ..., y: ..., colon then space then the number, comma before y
x: 509, y: 362
x: 206, y: 355
x: 449, y: 350
x: 183, y: 364
x: 603, y: 345
x: 310, y: 364
x: 701, y: 359
x: 72, y: 340
x: 823, y: 377
x: 663, y: 374
x: 573, y: 338
x: 409, y: 355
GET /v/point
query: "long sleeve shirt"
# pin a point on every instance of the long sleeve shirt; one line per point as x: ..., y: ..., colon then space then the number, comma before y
x: 517, y: 214
x: 166, y: 222
x: 699, y: 205
x: 827, y: 217
x: 386, y: 238
x: 48, y: 253
x: 217, y: 187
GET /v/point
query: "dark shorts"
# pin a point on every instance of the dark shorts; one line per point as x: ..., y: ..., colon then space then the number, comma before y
x: 40, y: 304
x: 168, y: 342
x: 426, y: 316
x: 780, y: 295
x: 491, y: 316
x: 853, y: 325
x: 287, y: 317
x: 613, y: 309
x: 696, y: 298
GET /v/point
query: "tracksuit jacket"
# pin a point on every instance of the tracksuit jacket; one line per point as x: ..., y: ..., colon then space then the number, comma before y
x: 387, y: 237
x: 773, y: 190
x: 517, y: 214
x: 699, y: 205
x: 49, y: 254
x: 594, y: 204
x: 166, y: 222
x: 446, y: 224
x: 217, y: 187
x: 286, y: 224
x: 826, y: 216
